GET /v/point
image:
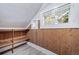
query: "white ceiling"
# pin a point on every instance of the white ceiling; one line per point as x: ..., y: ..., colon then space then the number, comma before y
x: 17, y: 15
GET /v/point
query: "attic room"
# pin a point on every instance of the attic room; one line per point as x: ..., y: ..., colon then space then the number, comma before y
x: 39, y: 28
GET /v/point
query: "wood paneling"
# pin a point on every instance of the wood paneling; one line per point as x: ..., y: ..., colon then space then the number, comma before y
x: 75, y: 41
x: 40, y: 38
x: 6, y: 37
x: 51, y: 42
x: 61, y: 41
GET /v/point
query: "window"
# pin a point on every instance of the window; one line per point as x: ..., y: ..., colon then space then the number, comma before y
x: 57, y: 16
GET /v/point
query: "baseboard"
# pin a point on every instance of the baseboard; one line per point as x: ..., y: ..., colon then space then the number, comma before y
x: 43, y: 50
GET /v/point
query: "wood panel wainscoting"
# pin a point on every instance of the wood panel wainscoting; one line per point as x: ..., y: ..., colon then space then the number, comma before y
x: 8, y: 38
x: 62, y: 41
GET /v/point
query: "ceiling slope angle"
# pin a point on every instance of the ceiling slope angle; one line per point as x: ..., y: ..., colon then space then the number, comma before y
x: 17, y: 15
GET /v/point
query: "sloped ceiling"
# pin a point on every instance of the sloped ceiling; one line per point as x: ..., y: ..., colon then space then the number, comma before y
x: 17, y: 15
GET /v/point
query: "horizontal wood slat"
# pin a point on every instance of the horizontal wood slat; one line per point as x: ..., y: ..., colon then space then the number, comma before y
x: 6, y: 37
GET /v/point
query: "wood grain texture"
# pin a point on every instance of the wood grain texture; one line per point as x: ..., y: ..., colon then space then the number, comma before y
x: 6, y: 37
x: 61, y: 41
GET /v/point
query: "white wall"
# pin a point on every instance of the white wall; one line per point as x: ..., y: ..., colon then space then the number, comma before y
x: 17, y: 15
x: 73, y: 17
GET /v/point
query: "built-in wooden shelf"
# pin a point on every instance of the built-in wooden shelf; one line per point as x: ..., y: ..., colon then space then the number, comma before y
x: 9, y: 39
x: 7, y: 42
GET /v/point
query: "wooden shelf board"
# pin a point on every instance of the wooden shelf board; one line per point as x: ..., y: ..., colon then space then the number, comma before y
x: 7, y: 42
